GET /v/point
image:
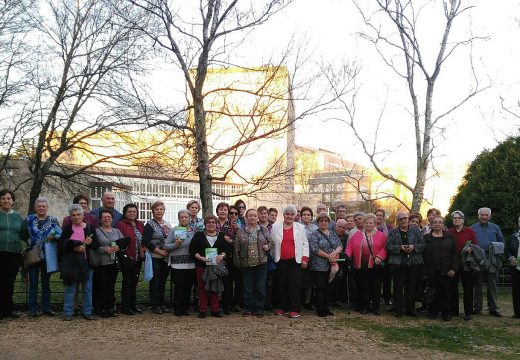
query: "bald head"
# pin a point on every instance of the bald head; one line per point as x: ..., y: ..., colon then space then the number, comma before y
x: 108, y: 200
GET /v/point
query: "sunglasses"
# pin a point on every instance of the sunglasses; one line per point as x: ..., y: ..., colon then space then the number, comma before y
x: 241, y: 207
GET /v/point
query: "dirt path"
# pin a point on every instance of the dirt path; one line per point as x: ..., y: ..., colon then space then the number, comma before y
x: 167, y: 337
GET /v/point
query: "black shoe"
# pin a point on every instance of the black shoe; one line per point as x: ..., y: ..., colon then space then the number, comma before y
x: 411, y: 313
x: 236, y: 309
x: 516, y: 316
x: 165, y: 310
x: 67, y: 318
x: 259, y: 314
x: 137, y: 310
x: 111, y: 313
x: 376, y: 312
x: 157, y: 310
x: 495, y: 313
x: 12, y: 315
x: 308, y: 307
x: 185, y: 313
x: 127, y: 312
x: 34, y: 314
x: 216, y: 314
x: 49, y: 313
x: 329, y: 313
x: 398, y: 314
x: 467, y: 317
x: 103, y: 314
x: 202, y: 315
x: 322, y: 314
x: 88, y: 317
x: 227, y: 312
x: 363, y: 311
x: 177, y: 313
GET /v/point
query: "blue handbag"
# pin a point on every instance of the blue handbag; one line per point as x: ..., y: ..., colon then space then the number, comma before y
x: 148, y: 267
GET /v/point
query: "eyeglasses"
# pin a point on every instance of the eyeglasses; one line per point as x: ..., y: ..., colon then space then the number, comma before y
x: 403, y: 218
x: 456, y: 218
x: 241, y: 207
x: 233, y: 213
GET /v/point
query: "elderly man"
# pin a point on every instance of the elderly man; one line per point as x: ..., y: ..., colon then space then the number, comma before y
x: 486, y: 233
x: 323, y: 208
x: 108, y: 201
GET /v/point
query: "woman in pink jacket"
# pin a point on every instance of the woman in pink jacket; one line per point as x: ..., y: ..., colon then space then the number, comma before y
x: 366, y: 250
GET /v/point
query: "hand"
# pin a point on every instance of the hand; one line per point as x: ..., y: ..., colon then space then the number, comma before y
x: 265, y: 247
x: 203, y: 259
x: 88, y: 240
x: 178, y: 243
x: 514, y: 262
x: 236, y: 227
x: 163, y: 252
x: 115, y: 248
x: 304, y: 264
x: 404, y: 248
x: 377, y: 260
x: 451, y: 273
x: 228, y: 239
x: 219, y: 258
x: 468, y: 250
x: 79, y: 248
x: 410, y: 248
x: 109, y: 250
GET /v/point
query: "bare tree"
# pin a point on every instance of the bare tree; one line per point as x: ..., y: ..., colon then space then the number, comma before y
x: 84, y: 87
x: 405, y: 54
x: 199, y: 44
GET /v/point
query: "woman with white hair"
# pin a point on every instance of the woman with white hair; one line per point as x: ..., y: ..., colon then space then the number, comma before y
x: 41, y: 228
x: 513, y: 255
x: 291, y: 252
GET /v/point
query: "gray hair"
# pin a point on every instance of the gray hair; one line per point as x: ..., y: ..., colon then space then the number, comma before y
x: 182, y: 211
x: 369, y: 216
x: 75, y: 207
x: 484, y: 209
x: 322, y: 215
x: 359, y: 213
x: 289, y: 209
x: 457, y: 212
x: 41, y: 199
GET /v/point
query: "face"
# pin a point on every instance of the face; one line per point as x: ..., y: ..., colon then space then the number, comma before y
x: 272, y: 216
x: 131, y: 213
x: 263, y: 216
x: 414, y: 222
x: 306, y: 216
x: 323, y: 224
x: 298, y: 215
x: 106, y: 219
x: 158, y: 212
x: 41, y: 209
x: 184, y: 219
x: 6, y: 202
x: 358, y: 220
x: 76, y: 217
x: 350, y: 223
x: 241, y: 208
x: 341, y: 213
x: 233, y: 215
x: 193, y: 209
x: 223, y: 213
x: 437, y: 223
x: 108, y: 200
x: 484, y: 216
x: 341, y: 228
x: 403, y: 221
x: 457, y: 220
x: 431, y: 215
x: 321, y: 208
x: 84, y: 204
x: 380, y: 217
x: 369, y: 224
x: 288, y: 217
x: 252, y: 217
x: 211, y: 226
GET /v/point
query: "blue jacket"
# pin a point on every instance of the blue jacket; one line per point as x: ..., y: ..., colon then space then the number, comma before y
x: 486, y: 234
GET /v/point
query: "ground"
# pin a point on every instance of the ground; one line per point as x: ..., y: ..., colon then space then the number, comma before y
x: 344, y: 336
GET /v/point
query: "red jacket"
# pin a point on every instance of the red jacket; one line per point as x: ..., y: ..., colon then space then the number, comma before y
x: 127, y: 229
x: 353, y: 250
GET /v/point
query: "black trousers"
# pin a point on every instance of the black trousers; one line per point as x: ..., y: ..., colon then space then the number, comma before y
x: 468, y: 279
x: 9, y: 266
x: 271, y: 298
x: 387, y: 284
x: 515, y: 280
x: 232, y: 295
x: 289, y: 274
x: 322, y: 296
x: 183, y: 280
x: 106, y: 276
x: 442, y: 302
x: 405, y: 287
x: 129, y: 286
x: 338, y: 286
x: 368, y: 283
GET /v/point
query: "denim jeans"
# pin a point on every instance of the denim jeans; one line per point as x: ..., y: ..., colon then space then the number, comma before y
x: 69, y: 292
x: 254, y: 281
x: 34, y: 273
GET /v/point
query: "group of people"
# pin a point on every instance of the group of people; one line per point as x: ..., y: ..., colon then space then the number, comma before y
x: 244, y: 260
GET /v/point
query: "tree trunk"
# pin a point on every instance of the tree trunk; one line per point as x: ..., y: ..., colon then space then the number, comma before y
x: 201, y: 148
x: 36, y: 189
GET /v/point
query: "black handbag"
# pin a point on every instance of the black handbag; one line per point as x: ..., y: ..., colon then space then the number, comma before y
x: 429, y: 295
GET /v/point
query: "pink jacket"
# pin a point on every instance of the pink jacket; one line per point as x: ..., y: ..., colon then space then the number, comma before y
x: 353, y: 250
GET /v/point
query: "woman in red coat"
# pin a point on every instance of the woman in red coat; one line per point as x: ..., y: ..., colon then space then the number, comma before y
x: 132, y: 228
x: 366, y: 250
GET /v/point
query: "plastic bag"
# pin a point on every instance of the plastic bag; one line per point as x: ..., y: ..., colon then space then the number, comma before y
x: 148, y: 267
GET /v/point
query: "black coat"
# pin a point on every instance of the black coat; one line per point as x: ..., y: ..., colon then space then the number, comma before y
x: 199, y: 243
x: 74, y: 266
x: 440, y: 254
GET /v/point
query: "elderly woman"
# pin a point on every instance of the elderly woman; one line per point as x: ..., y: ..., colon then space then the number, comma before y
x: 404, y: 247
x: 105, y: 275
x: 251, y: 246
x: 241, y: 206
x: 325, y: 248
x: 441, y: 261
x: 41, y: 228
x: 155, y: 233
x: 77, y: 238
x: 133, y: 229
x: 195, y: 223
x: 463, y: 236
x: 513, y: 255
x: 366, y: 249
x: 202, y: 247
x: 182, y: 263
x: 387, y: 276
x: 307, y: 281
x: 12, y: 232
x: 232, y: 296
x: 291, y: 252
